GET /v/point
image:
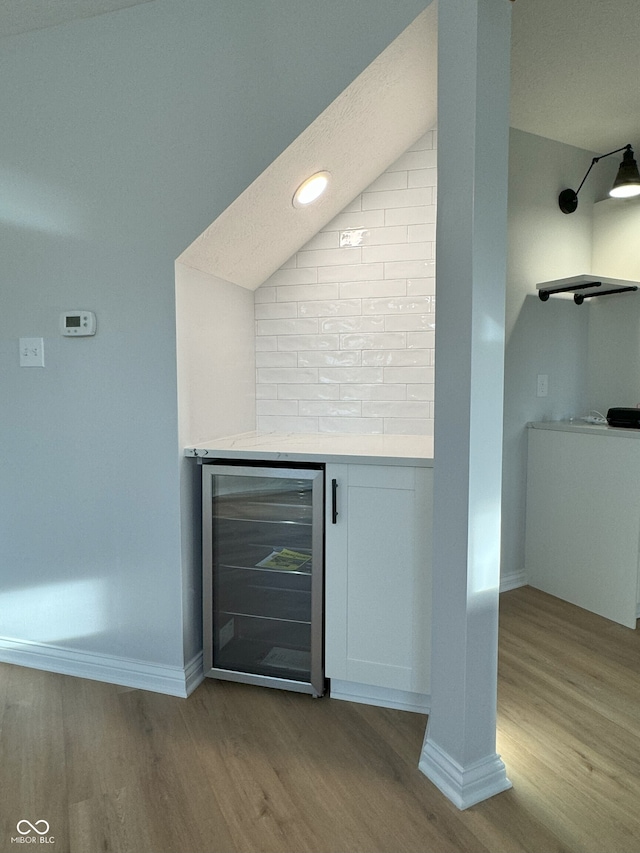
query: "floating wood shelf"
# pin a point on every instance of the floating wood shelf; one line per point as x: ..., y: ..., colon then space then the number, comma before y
x: 585, y: 286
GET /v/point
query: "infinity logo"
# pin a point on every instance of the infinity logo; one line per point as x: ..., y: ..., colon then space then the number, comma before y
x: 32, y: 827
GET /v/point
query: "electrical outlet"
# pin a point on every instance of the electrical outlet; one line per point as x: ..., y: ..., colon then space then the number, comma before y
x: 31, y: 352
x: 543, y: 385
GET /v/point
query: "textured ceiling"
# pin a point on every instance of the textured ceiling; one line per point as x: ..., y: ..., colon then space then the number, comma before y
x: 575, y: 66
x: 368, y: 126
x: 22, y: 16
x: 575, y: 63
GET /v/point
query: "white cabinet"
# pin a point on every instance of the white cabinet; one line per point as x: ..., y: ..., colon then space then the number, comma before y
x: 583, y: 518
x: 378, y: 582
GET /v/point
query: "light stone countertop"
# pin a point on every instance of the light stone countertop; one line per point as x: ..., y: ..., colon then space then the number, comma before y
x: 579, y: 426
x: 320, y: 447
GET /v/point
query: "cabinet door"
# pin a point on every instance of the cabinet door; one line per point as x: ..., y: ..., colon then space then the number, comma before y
x: 583, y: 520
x: 378, y: 576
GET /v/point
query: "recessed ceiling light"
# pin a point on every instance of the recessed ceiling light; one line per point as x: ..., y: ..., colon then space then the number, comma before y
x: 311, y: 189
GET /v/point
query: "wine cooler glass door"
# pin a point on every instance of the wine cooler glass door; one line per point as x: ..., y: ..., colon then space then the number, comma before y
x: 264, y: 574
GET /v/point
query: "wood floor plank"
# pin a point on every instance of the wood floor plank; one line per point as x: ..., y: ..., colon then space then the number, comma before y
x: 242, y: 769
x: 32, y: 756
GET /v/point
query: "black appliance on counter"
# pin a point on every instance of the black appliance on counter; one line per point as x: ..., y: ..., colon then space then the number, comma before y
x: 621, y: 417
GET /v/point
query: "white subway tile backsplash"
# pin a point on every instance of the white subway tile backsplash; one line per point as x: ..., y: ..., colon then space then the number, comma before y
x: 276, y: 310
x: 330, y: 409
x: 330, y: 308
x: 287, y: 327
x: 264, y: 294
x: 413, y: 161
x: 376, y: 340
x: 424, y: 233
x: 372, y: 392
x: 330, y: 257
x: 392, y: 409
x: 266, y: 344
x: 396, y: 358
x: 397, y: 252
x: 423, y: 178
x: 355, y: 220
x: 410, y: 323
x: 409, y: 375
x: 305, y: 292
x: 323, y: 240
x: 266, y: 392
x: 353, y: 324
x: 397, y: 180
x: 345, y: 328
x: 299, y: 343
x: 386, y: 287
x: 425, y: 141
x: 353, y: 272
x: 421, y: 287
x: 410, y: 215
x: 421, y: 340
x: 386, y: 236
x: 309, y: 392
x: 277, y: 408
x: 329, y: 359
x: 282, y: 375
x: 291, y: 275
x: 420, y: 392
x: 397, y: 198
x: 409, y: 269
x: 351, y: 375
x: 287, y: 424
x: 356, y: 204
x: 397, y: 305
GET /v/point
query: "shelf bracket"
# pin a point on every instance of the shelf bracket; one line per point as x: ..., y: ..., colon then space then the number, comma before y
x: 545, y: 294
x: 578, y: 297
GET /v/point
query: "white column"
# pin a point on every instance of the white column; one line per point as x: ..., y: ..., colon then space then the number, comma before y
x: 473, y: 117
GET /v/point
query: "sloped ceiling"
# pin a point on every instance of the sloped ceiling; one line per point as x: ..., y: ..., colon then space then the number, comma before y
x: 574, y: 71
x: 369, y: 125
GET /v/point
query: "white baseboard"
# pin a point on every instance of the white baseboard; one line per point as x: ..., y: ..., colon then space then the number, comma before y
x: 512, y: 580
x: 194, y: 673
x: 464, y: 786
x: 383, y: 697
x: 172, y: 680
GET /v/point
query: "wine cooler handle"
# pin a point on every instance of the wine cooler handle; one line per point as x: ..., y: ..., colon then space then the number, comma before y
x: 334, y: 502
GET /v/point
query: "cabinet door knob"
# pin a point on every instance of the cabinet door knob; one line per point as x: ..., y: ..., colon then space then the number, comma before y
x: 334, y: 501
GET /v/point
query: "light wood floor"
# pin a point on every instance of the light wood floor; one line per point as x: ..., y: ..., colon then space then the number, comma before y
x: 240, y: 768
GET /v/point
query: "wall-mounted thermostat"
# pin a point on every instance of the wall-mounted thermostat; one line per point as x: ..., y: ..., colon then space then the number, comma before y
x: 78, y: 323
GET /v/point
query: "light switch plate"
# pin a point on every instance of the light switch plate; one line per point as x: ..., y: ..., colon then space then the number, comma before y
x: 31, y: 352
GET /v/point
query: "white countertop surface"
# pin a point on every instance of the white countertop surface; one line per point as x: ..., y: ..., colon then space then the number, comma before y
x: 579, y: 426
x: 320, y: 447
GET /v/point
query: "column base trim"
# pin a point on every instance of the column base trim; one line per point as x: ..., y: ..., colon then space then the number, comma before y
x: 464, y: 786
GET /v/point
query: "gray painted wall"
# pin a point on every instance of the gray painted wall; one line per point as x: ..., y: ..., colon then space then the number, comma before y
x: 549, y: 338
x: 122, y: 138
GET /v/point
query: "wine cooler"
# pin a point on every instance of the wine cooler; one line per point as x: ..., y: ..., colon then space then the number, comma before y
x: 263, y: 575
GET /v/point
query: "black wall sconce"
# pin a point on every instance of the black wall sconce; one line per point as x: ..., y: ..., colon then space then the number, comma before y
x: 626, y: 184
